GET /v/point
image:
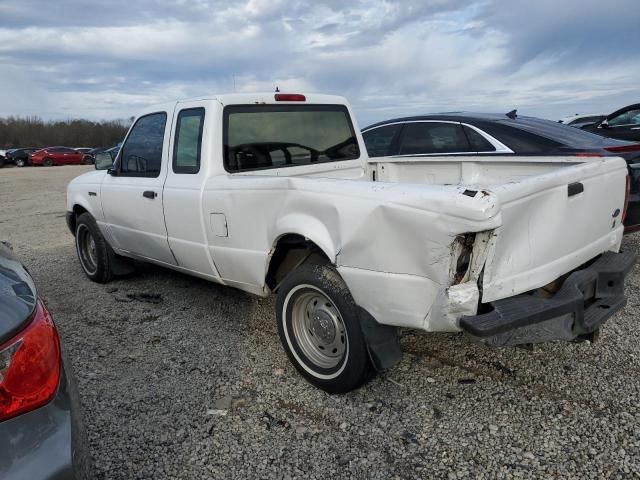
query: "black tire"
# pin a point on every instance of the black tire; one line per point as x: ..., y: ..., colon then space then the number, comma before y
x: 2, y: 161
x: 21, y: 162
x: 311, y: 330
x: 48, y: 162
x: 96, y: 261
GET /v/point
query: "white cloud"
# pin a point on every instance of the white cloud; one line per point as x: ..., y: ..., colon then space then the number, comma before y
x: 388, y: 57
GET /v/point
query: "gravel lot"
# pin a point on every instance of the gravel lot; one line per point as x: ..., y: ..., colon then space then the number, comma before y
x: 180, y: 378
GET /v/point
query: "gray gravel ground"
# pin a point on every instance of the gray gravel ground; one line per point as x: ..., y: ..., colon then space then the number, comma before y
x: 180, y: 378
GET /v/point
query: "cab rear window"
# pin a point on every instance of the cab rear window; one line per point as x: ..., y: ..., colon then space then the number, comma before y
x: 275, y: 136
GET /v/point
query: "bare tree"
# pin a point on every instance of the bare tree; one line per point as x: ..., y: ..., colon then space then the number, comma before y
x: 35, y: 132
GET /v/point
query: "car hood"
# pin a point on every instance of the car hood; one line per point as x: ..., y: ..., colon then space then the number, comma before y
x: 92, y: 177
x: 17, y: 294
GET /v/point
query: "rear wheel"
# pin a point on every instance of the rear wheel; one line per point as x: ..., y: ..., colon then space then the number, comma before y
x: 319, y: 329
x: 20, y: 162
x: 93, y: 250
x: 48, y: 162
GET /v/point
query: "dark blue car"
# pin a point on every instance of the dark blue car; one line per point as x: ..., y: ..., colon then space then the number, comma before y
x: 41, y: 436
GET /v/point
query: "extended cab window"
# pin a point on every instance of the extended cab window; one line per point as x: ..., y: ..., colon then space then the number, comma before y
x: 141, y: 154
x: 274, y: 136
x: 188, y: 141
x: 379, y: 140
x: 419, y: 138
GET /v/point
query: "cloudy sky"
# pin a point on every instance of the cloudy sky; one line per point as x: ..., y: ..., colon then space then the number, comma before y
x: 108, y: 59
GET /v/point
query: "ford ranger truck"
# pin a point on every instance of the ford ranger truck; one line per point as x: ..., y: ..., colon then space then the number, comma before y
x: 274, y: 193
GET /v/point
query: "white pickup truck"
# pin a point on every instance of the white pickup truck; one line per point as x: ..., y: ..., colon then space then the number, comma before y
x: 275, y: 193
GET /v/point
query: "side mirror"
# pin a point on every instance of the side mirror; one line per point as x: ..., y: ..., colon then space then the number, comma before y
x: 604, y: 124
x: 103, y: 161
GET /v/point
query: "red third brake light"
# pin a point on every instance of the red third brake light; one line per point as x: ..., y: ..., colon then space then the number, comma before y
x: 290, y: 97
x: 29, y: 366
x: 624, y: 148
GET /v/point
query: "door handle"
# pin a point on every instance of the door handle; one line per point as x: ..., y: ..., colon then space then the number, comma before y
x: 574, y: 189
x: 149, y: 194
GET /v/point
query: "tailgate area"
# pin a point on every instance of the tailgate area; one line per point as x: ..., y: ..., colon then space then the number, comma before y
x: 554, y: 223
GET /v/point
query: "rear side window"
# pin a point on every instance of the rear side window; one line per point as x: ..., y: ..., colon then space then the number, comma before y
x: 141, y: 154
x: 433, y: 137
x: 380, y: 139
x: 188, y: 142
x: 478, y: 142
x: 275, y: 136
x: 521, y: 141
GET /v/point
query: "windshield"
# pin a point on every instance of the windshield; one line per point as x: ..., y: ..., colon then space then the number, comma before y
x: 275, y: 136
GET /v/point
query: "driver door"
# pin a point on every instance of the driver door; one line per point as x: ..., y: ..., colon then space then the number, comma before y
x: 132, y: 195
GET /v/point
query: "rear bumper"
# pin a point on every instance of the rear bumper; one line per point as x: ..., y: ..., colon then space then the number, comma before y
x: 588, y: 297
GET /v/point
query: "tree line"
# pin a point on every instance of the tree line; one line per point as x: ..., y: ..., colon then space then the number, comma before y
x: 36, y: 132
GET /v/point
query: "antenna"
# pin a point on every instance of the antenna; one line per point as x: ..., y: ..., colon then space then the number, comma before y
x: 277, y: 89
x: 512, y: 114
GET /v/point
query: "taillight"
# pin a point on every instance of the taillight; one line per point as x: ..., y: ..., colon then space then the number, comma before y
x: 626, y: 199
x: 30, y: 366
x: 290, y: 97
x: 624, y: 148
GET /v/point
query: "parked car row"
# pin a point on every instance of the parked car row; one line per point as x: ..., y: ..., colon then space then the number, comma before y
x: 49, y: 156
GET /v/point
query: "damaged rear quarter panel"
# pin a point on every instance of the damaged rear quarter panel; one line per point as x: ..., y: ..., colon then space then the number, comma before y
x: 390, y: 242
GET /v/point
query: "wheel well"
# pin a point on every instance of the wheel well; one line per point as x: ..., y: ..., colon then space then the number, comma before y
x: 77, y: 211
x: 289, y: 252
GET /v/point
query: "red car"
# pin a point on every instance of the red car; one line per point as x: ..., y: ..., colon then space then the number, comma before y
x: 56, y: 156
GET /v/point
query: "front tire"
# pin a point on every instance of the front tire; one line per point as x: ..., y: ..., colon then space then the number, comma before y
x: 20, y: 162
x: 48, y: 162
x: 93, y: 250
x: 320, y: 331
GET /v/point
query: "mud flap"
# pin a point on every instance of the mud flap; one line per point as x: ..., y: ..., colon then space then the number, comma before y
x: 119, y: 265
x: 383, y: 341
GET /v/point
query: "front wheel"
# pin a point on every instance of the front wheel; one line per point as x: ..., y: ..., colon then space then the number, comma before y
x: 93, y: 250
x: 20, y: 162
x: 319, y: 329
x: 48, y: 162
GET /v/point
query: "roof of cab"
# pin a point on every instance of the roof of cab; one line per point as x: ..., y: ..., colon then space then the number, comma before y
x: 250, y: 99
x: 266, y: 97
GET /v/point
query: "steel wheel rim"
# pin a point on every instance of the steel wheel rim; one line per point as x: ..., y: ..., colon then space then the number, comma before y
x: 318, y: 328
x: 87, y: 249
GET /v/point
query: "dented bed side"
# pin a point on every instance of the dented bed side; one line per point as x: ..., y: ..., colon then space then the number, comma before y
x: 418, y: 256
x: 396, y: 246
